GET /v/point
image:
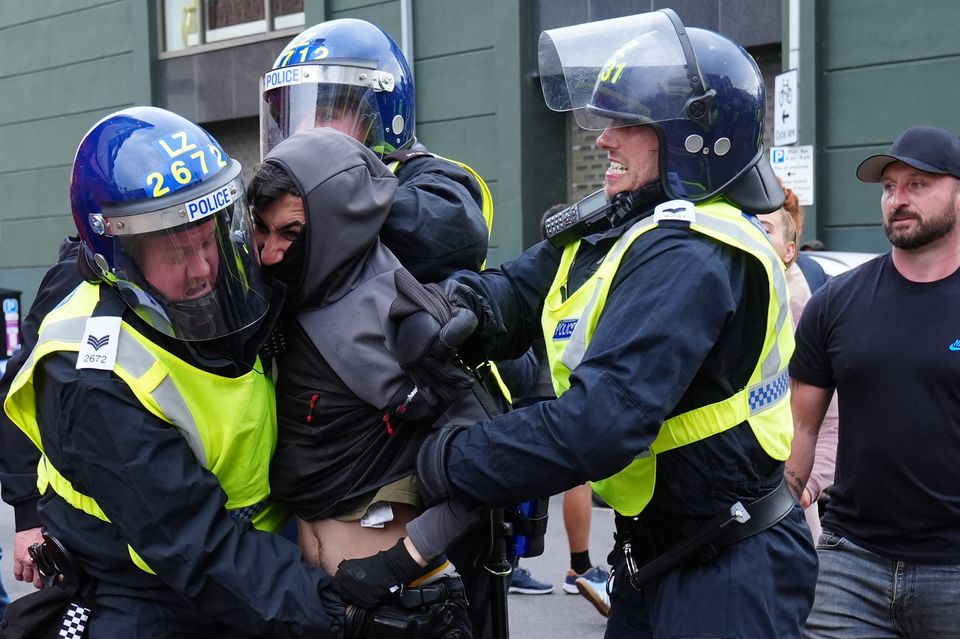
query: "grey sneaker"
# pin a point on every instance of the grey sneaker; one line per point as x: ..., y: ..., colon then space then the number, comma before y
x: 595, y: 590
x: 595, y: 574
x: 523, y: 583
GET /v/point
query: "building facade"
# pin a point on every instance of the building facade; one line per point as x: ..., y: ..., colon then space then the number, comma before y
x: 66, y: 63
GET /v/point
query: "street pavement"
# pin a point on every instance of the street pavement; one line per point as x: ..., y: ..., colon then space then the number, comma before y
x: 559, y: 615
x: 553, y: 616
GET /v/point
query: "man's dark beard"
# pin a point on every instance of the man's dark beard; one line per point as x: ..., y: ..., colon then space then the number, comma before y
x: 925, y: 232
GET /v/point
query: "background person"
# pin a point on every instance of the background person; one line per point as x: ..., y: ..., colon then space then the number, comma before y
x: 781, y: 230
x: 884, y: 336
x: 350, y: 420
x: 813, y: 273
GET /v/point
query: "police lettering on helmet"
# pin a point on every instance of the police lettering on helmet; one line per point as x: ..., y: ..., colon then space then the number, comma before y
x: 161, y: 214
x: 345, y: 74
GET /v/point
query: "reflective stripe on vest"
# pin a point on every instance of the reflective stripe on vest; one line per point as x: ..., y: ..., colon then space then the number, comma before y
x: 234, y: 437
x: 764, y: 403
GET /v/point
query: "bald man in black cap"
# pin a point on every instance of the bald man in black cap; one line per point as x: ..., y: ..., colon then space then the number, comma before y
x: 887, y: 336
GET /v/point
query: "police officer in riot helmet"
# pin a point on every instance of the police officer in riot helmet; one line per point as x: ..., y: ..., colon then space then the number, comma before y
x: 155, y: 490
x: 345, y: 74
x: 668, y: 333
x: 350, y: 75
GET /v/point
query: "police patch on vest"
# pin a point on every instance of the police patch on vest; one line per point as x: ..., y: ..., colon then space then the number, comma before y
x: 675, y: 210
x: 98, y: 347
x: 565, y: 329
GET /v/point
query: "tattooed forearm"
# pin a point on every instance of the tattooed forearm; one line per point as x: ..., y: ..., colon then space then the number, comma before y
x: 794, y: 481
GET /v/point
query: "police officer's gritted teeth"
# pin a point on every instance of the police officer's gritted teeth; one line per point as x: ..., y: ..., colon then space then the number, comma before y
x: 616, y: 167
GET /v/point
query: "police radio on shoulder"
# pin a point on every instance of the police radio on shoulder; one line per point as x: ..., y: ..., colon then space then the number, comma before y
x: 589, y: 215
x: 594, y: 213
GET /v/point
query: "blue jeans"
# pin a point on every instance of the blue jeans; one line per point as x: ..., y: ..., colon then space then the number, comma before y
x: 861, y: 595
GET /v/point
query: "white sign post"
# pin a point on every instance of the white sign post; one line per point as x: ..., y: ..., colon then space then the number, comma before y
x: 785, y: 100
x: 794, y: 165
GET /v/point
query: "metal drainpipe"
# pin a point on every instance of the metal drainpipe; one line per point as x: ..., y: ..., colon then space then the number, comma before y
x: 406, y: 31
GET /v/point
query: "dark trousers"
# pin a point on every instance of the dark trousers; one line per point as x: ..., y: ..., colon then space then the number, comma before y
x: 119, y: 617
x: 762, y: 586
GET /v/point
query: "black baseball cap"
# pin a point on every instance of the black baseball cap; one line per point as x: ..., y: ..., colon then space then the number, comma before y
x: 926, y: 148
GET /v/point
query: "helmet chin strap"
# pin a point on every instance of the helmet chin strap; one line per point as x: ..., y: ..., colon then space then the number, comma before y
x: 633, y: 204
x: 199, y: 319
x: 202, y: 317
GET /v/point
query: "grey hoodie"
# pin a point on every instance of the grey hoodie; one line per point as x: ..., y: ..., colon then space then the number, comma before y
x: 338, y: 377
x: 347, y: 193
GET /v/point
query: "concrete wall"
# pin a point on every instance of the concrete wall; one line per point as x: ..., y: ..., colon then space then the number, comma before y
x: 60, y: 61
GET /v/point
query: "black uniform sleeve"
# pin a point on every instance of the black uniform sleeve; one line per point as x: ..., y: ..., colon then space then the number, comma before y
x: 18, y: 455
x: 810, y: 362
x: 520, y: 374
x: 18, y: 460
x: 171, y: 510
x: 509, y: 303
x: 672, y: 299
x: 436, y: 224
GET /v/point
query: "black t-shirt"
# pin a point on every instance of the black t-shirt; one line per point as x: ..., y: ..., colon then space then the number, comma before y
x: 891, y: 347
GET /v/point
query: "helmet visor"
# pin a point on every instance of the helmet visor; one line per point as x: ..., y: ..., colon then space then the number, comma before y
x: 196, y: 281
x: 619, y: 72
x: 307, y: 97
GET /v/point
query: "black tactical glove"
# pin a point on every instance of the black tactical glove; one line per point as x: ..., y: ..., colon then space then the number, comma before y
x: 430, y: 329
x: 389, y: 621
x: 427, y: 352
x: 439, y: 611
x: 368, y: 581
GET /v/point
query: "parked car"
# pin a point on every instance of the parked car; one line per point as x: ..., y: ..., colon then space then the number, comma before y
x: 837, y: 262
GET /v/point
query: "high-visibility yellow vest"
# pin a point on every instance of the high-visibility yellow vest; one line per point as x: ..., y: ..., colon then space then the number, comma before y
x: 568, y: 327
x: 233, y: 437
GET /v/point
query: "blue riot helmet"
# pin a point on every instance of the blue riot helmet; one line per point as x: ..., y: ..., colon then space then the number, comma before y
x: 701, y: 92
x: 347, y: 74
x: 161, y: 214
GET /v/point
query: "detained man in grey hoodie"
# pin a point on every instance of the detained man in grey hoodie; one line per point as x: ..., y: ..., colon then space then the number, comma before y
x: 350, y: 420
